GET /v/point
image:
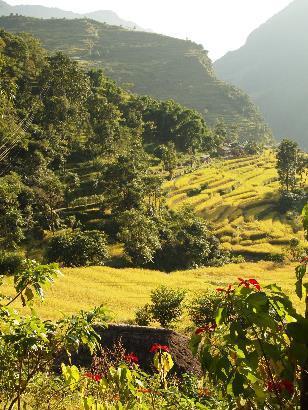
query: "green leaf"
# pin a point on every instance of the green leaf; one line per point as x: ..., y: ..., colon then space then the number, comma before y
x: 221, y: 315
x: 300, y: 273
x: 238, y: 384
x: 298, y: 331
x: 258, y: 301
x: 88, y: 403
x: 299, y: 352
x: 194, y: 343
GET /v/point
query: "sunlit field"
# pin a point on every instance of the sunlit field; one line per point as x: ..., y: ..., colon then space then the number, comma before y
x: 239, y: 197
x: 122, y: 291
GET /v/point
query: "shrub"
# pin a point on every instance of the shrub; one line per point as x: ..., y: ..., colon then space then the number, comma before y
x: 186, y: 243
x: 79, y: 248
x: 204, y: 186
x: 203, y: 307
x: 193, y: 192
x: 276, y: 257
x: 167, y: 305
x: 143, y: 315
x: 10, y: 263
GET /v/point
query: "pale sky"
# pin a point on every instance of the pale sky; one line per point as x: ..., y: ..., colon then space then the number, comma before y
x: 219, y: 25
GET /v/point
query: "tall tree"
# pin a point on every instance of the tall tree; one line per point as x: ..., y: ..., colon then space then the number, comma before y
x: 288, y: 156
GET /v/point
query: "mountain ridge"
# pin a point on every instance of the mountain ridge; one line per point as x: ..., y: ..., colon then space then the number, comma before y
x: 272, y: 67
x: 38, y: 11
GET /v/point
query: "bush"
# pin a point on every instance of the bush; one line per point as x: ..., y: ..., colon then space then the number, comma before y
x: 203, y: 307
x: 10, y: 263
x: 143, y: 316
x: 79, y: 248
x: 186, y: 243
x: 276, y: 257
x: 167, y: 305
x: 193, y: 192
x: 292, y: 201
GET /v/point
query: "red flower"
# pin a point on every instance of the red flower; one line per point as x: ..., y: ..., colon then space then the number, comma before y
x: 157, y: 346
x: 208, y: 328
x: 248, y: 282
x: 280, y: 385
x: 287, y: 385
x: 94, y: 377
x: 131, y: 358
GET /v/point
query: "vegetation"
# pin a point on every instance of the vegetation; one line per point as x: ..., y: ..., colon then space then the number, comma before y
x: 79, y: 248
x: 143, y: 62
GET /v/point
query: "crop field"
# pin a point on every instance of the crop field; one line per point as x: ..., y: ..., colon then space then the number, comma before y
x: 122, y: 291
x: 239, y: 198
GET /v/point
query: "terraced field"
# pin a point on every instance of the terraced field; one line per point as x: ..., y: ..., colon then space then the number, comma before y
x: 239, y: 198
x: 122, y: 291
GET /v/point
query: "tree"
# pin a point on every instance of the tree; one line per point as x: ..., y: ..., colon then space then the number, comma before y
x: 11, y: 217
x: 169, y: 157
x: 49, y: 192
x: 79, y: 248
x: 125, y: 180
x: 287, y: 164
x: 140, y: 236
x: 186, y: 243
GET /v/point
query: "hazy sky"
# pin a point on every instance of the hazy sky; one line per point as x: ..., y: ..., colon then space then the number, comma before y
x: 220, y: 25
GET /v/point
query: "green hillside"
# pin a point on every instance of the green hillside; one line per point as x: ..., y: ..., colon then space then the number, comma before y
x: 148, y: 64
x: 272, y: 68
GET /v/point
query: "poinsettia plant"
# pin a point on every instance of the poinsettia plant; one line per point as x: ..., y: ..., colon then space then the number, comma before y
x: 256, y: 350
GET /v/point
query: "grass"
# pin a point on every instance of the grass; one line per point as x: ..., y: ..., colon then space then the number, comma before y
x: 123, y: 290
x: 240, y: 195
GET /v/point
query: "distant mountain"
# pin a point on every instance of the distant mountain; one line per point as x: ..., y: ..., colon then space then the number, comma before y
x: 103, y: 16
x: 272, y: 67
x: 148, y: 64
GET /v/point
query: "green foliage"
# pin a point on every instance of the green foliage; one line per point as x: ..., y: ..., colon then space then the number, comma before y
x: 140, y: 236
x: 186, y: 243
x: 202, y: 309
x: 168, y: 154
x: 287, y: 164
x: 10, y: 263
x: 143, y: 315
x: 28, y: 344
x: 167, y: 305
x: 250, y: 351
x: 79, y: 248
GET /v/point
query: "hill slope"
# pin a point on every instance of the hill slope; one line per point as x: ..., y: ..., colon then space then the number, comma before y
x: 272, y: 68
x: 239, y: 197
x: 152, y: 64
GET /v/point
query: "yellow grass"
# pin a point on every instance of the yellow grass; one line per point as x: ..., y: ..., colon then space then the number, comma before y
x: 123, y: 290
x: 241, y: 193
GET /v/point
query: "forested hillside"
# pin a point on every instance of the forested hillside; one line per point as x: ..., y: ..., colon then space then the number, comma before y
x: 103, y: 16
x: 149, y: 64
x: 272, y: 67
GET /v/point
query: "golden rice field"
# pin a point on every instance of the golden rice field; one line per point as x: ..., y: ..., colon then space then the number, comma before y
x: 239, y: 197
x: 124, y: 290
